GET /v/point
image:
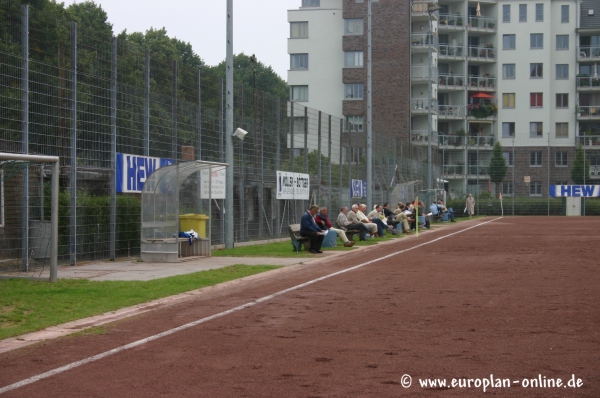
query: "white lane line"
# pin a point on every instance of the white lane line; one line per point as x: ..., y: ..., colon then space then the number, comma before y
x: 215, y: 316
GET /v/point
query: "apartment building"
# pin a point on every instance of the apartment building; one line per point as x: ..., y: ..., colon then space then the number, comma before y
x: 455, y: 77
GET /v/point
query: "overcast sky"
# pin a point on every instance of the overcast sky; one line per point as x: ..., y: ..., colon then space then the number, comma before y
x: 259, y: 26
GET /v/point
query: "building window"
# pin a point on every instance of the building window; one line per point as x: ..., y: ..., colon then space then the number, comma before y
x: 536, y: 40
x: 355, y: 123
x: 562, y: 130
x: 353, y: 26
x: 508, y: 158
x: 299, y: 93
x: 564, y: 14
x: 562, y: 71
x: 522, y: 12
x: 561, y: 159
x: 535, y: 159
x: 506, y: 13
x: 562, y: 42
x: 508, y: 100
x: 508, y: 129
x: 311, y: 3
x: 508, y: 42
x: 353, y: 59
x: 536, y: 100
x: 507, y: 188
x: 508, y: 71
x: 535, y: 188
x: 536, y: 129
x: 298, y: 30
x: 353, y: 91
x: 536, y: 71
x: 562, y: 100
x: 539, y: 12
x: 298, y: 61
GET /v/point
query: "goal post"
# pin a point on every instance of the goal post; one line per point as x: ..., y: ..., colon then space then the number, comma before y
x: 27, y: 160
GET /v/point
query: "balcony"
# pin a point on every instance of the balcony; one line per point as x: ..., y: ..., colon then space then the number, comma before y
x: 420, y: 9
x: 589, y: 140
x: 421, y: 137
x: 482, y: 53
x: 451, y: 82
x: 450, y: 22
x: 482, y: 24
x: 447, y: 51
x: 421, y: 73
x: 482, y: 83
x: 482, y: 111
x: 454, y: 170
x: 587, y: 83
x: 481, y: 141
x: 421, y: 106
x: 589, y: 112
x: 451, y: 112
x: 588, y: 53
x: 422, y: 42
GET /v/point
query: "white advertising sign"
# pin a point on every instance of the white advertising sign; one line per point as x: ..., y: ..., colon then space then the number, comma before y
x: 217, y: 181
x: 292, y: 185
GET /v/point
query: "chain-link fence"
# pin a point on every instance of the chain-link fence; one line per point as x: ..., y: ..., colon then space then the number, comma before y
x: 69, y: 91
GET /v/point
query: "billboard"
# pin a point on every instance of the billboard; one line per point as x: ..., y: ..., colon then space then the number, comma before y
x: 358, y: 189
x: 292, y: 185
x: 574, y: 191
x: 133, y: 170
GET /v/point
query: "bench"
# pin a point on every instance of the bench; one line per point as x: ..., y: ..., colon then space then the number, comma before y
x: 351, y: 234
x: 297, y: 240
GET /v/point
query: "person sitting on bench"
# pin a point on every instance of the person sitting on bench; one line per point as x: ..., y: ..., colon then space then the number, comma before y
x: 349, y: 226
x: 445, y: 211
x: 310, y: 229
x: 323, y: 222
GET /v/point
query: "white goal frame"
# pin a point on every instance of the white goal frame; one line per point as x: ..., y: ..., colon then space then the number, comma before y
x: 54, y: 160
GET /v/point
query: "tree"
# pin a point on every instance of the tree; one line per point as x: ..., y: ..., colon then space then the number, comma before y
x: 580, y: 173
x: 497, y: 167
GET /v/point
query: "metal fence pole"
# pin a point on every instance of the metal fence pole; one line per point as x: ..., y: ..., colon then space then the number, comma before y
x: 147, y: 104
x: 330, y: 161
x: 175, y: 104
x: 277, y: 161
x: 73, y: 183
x: 199, y: 117
x: 306, y: 206
x: 113, y: 148
x: 25, y: 131
x: 319, y: 160
x: 229, y: 129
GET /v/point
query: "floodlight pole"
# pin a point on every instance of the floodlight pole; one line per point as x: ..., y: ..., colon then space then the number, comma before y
x: 228, y: 209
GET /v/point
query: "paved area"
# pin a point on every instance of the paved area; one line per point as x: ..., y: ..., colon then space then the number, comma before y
x: 133, y: 270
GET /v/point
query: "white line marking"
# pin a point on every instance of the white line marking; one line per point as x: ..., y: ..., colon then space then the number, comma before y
x: 215, y: 316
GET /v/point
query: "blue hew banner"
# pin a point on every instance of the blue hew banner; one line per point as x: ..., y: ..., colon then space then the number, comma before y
x: 574, y: 191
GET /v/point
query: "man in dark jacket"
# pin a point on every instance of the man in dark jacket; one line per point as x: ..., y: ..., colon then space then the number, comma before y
x: 310, y: 229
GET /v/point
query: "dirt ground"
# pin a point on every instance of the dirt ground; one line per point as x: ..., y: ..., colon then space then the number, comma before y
x: 487, y: 301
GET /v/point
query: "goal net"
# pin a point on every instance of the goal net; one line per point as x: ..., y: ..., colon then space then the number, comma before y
x: 28, y: 216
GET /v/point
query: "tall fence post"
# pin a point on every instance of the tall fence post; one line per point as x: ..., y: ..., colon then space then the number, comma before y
x: 278, y: 163
x: 73, y: 183
x: 113, y: 148
x: 199, y: 117
x: 306, y: 206
x: 175, y: 104
x: 25, y: 130
x: 147, y: 103
x: 319, y: 160
x: 330, y: 161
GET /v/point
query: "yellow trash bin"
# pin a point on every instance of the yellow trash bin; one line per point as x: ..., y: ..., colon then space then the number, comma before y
x: 197, y: 222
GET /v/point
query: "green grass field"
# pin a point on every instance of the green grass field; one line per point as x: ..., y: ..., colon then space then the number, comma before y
x: 28, y: 306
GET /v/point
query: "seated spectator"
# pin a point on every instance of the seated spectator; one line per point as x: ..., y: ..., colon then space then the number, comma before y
x: 323, y: 222
x: 390, y: 218
x: 402, y: 218
x: 310, y: 229
x: 422, y: 216
x: 345, y: 223
x: 449, y: 211
x: 375, y: 226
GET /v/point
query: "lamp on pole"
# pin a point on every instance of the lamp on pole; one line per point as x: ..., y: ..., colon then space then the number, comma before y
x: 431, y: 8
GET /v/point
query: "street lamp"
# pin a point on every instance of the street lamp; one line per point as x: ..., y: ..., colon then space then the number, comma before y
x: 431, y: 8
